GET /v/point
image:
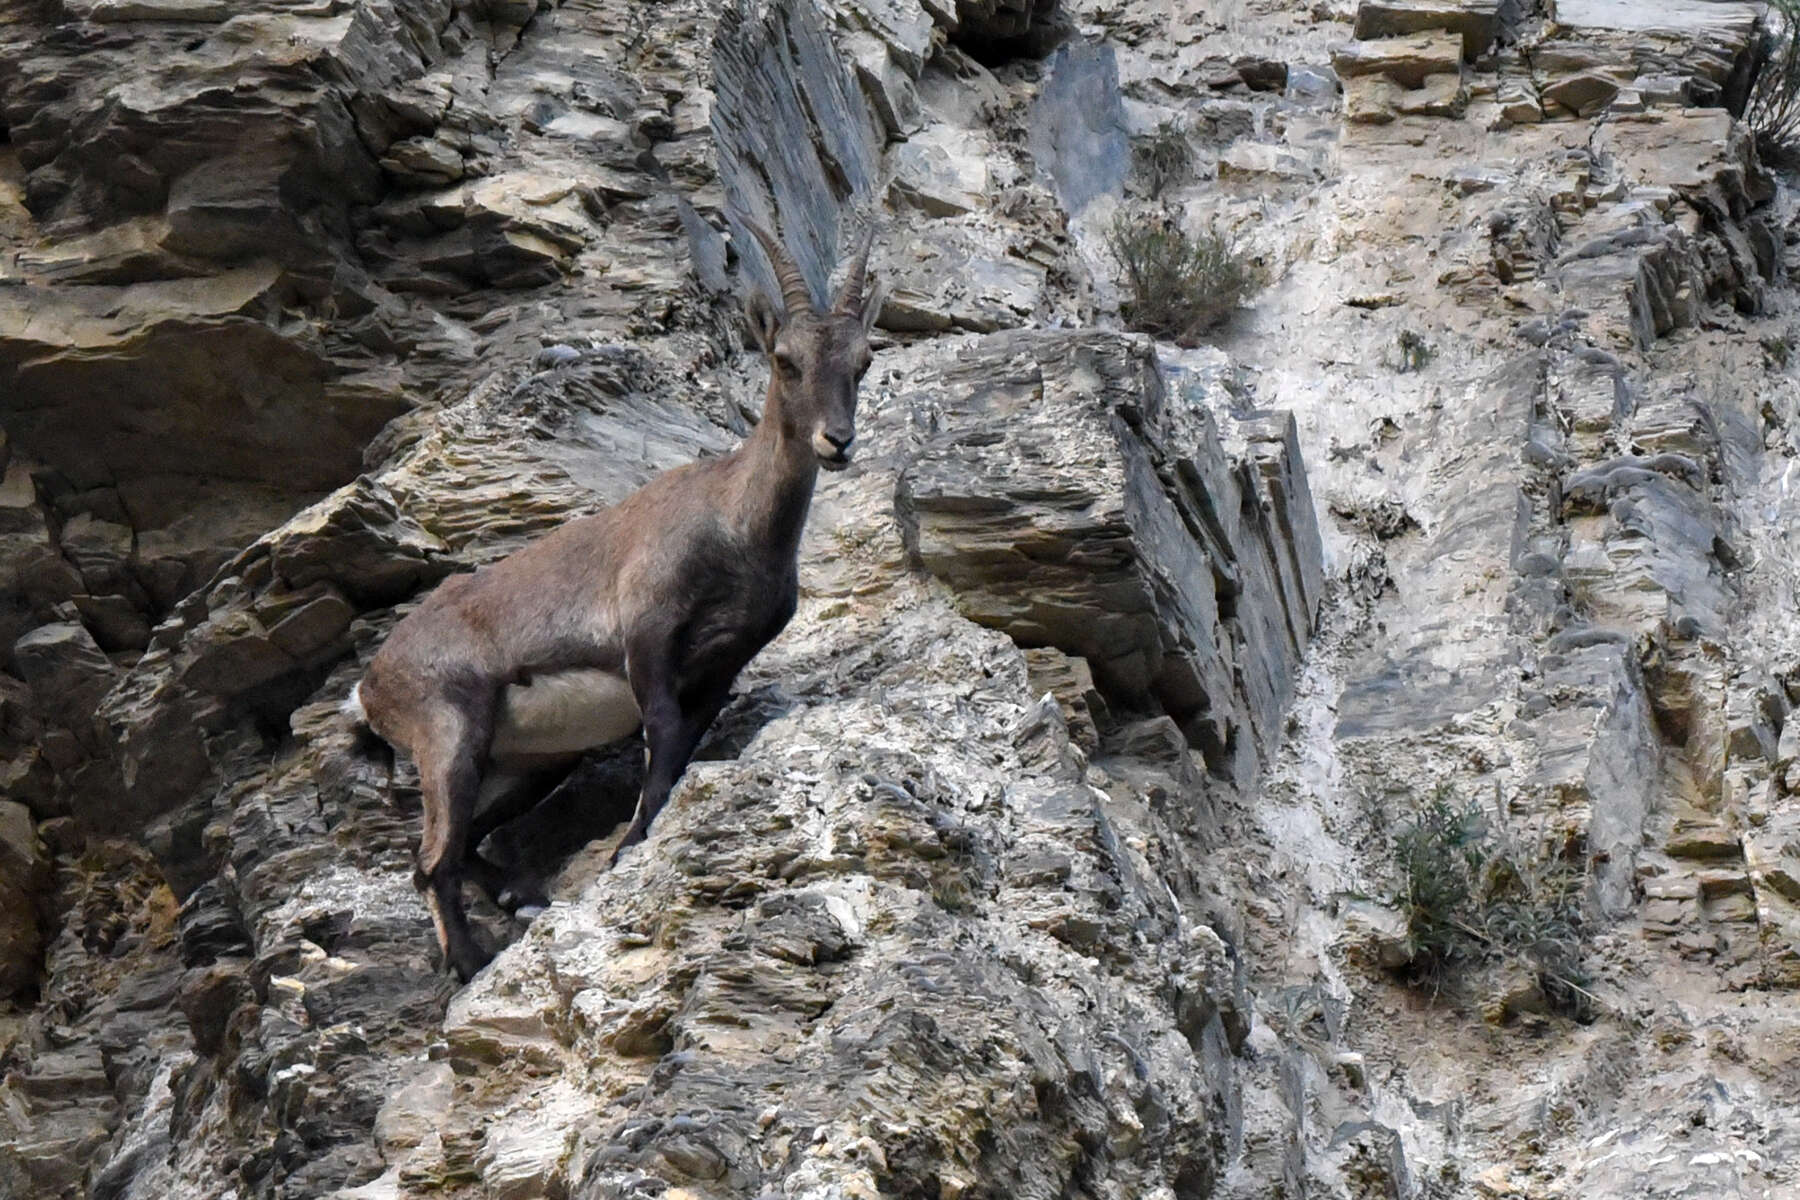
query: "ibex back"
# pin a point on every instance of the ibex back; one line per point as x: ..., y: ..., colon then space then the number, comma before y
x: 642, y: 614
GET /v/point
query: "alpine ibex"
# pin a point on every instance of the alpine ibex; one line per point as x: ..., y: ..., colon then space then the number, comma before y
x: 642, y: 614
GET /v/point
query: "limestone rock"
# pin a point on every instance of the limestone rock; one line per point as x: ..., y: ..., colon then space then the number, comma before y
x: 67, y: 672
x: 1584, y: 94
x: 1378, y: 932
x: 1437, y: 96
x: 1254, y: 161
x: 1478, y: 21
x: 359, y: 542
x: 1065, y: 508
x: 941, y: 171
x: 957, y: 282
x: 1072, y: 683
x: 69, y: 368
x: 34, y: 576
x: 115, y: 622
x: 1371, y: 99
x: 1405, y: 60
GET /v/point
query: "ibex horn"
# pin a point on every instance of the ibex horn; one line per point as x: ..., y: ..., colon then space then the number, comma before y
x: 850, y: 296
x: 795, y: 295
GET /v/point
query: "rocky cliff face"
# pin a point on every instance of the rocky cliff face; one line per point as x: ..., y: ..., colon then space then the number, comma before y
x: 1042, y: 855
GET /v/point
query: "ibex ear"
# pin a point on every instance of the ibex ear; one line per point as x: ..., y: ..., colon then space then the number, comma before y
x: 871, y: 306
x: 766, y: 321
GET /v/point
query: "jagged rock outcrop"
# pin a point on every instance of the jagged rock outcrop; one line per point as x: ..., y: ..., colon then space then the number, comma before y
x: 736, y: 1011
x: 1052, y: 850
x: 1067, y: 501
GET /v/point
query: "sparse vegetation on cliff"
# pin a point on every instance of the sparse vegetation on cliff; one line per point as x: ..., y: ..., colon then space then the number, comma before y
x: 1179, y: 285
x: 1470, y: 897
x: 1774, y: 108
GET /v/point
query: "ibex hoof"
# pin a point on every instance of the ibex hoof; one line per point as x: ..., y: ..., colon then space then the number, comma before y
x: 517, y: 898
x: 633, y: 835
x: 466, y: 964
x: 528, y: 912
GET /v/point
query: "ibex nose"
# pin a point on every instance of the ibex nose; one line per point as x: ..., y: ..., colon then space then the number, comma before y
x: 833, y: 449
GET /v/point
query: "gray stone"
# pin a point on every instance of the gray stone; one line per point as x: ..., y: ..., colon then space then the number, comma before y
x: 1116, y: 539
x: 423, y: 162
x: 1405, y: 60
x: 312, y: 626
x: 24, y: 880
x: 1072, y: 683
x: 1078, y: 135
x: 1377, y: 931
x: 1478, y: 21
x: 941, y: 171
x: 235, y: 654
x: 115, y: 622
x: 67, y: 671
x: 763, y: 120
x: 361, y: 543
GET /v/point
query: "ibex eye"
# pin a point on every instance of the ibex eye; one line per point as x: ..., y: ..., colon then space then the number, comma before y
x: 787, y: 365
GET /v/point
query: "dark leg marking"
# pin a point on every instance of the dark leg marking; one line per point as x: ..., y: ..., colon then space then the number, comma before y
x: 672, y: 731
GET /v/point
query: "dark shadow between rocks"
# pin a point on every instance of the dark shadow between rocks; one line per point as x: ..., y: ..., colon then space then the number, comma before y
x: 600, y: 792
x: 995, y: 35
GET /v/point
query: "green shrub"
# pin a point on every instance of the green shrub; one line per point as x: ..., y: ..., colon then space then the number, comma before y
x: 1440, y: 856
x: 1470, y: 898
x: 1777, y: 349
x: 1177, y: 285
x: 1774, y: 108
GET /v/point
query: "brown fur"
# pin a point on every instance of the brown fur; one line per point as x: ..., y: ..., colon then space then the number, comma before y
x: 675, y: 588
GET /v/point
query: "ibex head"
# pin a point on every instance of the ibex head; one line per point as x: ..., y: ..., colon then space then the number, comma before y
x: 816, y: 359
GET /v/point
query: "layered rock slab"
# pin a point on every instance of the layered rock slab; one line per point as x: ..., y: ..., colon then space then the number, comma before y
x: 1069, y: 500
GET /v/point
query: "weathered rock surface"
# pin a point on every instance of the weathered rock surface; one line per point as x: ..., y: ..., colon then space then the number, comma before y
x: 1070, y: 503
x: 1478, y: 21
x: 24, y: 874
x: 1051, y: 850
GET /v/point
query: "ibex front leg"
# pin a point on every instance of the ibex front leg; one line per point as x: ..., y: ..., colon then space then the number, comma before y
x: 449, y: 757
x: 672, y: 731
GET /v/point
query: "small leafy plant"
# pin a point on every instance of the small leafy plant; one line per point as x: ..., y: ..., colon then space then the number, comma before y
x: 1440, y: 856
x: 1179, y: 285
x: 1469, y: 898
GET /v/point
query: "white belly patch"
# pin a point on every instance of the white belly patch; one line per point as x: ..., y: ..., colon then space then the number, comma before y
x: 563, y: 712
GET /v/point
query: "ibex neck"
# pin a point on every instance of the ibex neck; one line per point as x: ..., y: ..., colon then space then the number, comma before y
x: 777, y: 471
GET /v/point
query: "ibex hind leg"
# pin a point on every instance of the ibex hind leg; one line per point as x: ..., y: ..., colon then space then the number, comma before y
x: 506, y: 794
x: 520, y: 894
x: 449, y: 758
